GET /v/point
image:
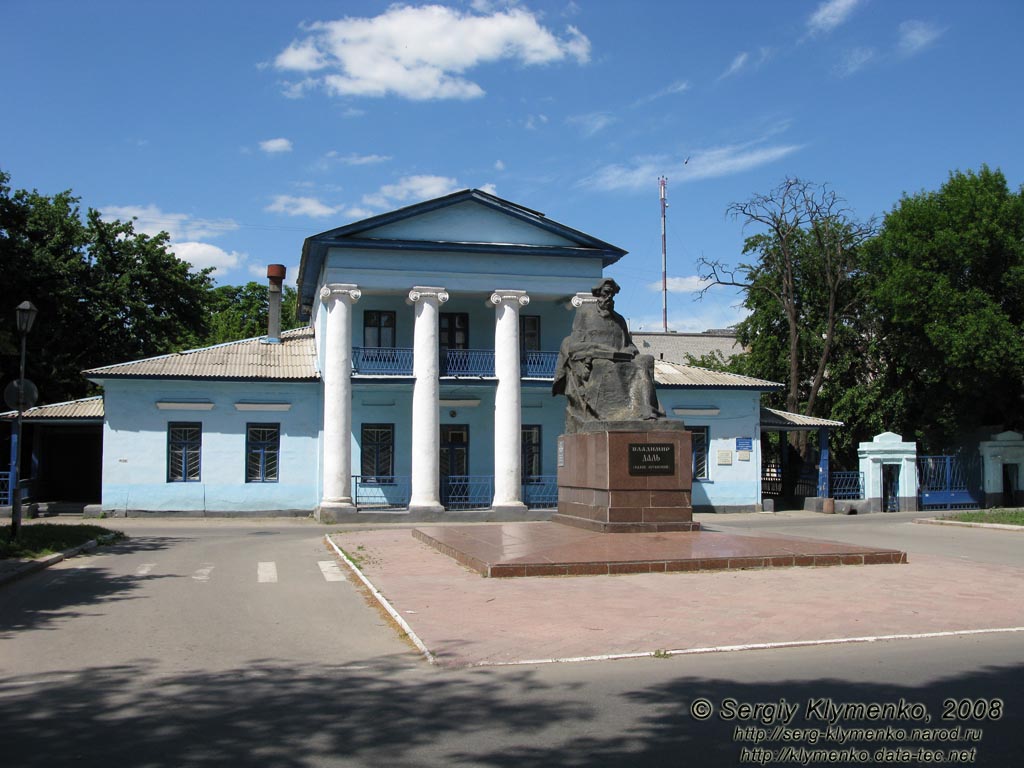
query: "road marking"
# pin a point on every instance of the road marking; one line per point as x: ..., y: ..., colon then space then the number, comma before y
x: 144, y: 569
x: 266, y: 573
x: 203, y: 572
x: 330, y: 570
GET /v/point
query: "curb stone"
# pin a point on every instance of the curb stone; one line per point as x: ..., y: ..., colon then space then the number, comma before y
x: 993, y: 526
x: 26, y: 567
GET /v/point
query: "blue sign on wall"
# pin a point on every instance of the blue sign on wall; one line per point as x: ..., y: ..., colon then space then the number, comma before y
x: 744, y: 443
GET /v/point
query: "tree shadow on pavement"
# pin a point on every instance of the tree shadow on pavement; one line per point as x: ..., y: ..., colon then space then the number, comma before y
x: 388, y: 713
x: 53, y: 602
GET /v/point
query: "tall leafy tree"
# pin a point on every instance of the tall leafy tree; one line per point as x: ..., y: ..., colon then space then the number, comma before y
x: 105, y: 293
x: 947, y: 297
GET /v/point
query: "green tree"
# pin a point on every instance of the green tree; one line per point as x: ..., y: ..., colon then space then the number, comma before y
x: 947, y: 297
x: 105, y: 293
x: 241, y: 312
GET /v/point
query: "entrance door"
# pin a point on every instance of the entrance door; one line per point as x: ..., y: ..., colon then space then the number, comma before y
x: 454, y: 465
x: 1010, y: 486
x: 890, y: 487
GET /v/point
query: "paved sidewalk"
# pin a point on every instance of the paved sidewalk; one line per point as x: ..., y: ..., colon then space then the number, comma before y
x: 465, y: 619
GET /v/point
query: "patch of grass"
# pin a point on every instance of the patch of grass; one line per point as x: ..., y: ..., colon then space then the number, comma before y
x: 38, y: 539
x: 1001, y: 516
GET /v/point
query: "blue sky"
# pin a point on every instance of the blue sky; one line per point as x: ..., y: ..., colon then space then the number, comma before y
x: 241, y: 127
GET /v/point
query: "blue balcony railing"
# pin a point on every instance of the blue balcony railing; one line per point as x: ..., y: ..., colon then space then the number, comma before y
x: 538, y: 364
x: 397, y: 361
x: 386, y: 361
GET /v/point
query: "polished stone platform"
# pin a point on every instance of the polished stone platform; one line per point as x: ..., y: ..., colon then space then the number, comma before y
x: 550, y: 549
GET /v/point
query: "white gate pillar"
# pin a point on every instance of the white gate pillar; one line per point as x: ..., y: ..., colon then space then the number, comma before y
x: 885, y: 449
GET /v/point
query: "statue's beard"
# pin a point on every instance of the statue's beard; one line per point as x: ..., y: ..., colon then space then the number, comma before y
x: 604, y: 308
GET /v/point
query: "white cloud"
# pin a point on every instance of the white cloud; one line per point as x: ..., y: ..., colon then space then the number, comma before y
x: 291, y: 205
x: 592, y: 123
x: 499, y: 165
x: 693, y: 316
x: 150, y: 220
x: 830, y: 15
x: 533, y: 122
x: 738, y: 63
x: 490, y: 189
x: 679, y: 86
x: 274, y: 146
x: 643, y: 172
x: 411, y: 189
x: 915, y: 36
x: 202, y: 255
x: 422, y: 53
x: 354, y: 159
x: 854, y: 61
x: 691, y: 284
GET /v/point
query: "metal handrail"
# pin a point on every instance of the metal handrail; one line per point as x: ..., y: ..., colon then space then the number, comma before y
x: 390, y: 361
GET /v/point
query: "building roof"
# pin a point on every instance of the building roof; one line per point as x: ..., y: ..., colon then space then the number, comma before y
x: 86, y: 409
x: 293, y: 359
x: 360, y: 234
x: 678, y: 375
x: 773, y: 419
x: 677, y: 346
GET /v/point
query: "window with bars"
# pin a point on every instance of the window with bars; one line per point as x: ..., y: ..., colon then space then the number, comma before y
x: 377, y: 448
x: 262, y: 453
x: 378, y: 329
x: 184, y: 451
x: 531, y: 455
x: 700, y: 452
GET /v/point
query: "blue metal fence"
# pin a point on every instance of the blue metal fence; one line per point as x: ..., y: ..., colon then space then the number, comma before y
x: 541, y: 492
x: 467, y: 491
x: 381, y: 492
x: 949, y: 482
x: 846, y: 485
x: 5, y: 489
x: 467, y: 362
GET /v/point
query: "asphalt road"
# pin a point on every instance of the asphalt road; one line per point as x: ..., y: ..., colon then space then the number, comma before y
x: 212, y: 643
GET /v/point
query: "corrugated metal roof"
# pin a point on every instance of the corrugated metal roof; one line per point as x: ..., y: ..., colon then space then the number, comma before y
x: 294, y: 359
x: 770, y: 417
x: 679, y: 375
x: 86, y: 408
x: 675, y: 347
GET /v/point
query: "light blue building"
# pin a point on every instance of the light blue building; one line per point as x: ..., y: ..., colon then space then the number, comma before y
x: 420, y: 389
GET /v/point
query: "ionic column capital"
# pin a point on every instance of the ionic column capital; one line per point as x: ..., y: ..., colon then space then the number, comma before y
x: 512, y: 298
x: 582, y: 298
x: 421, y: 292
x: 334, y: 291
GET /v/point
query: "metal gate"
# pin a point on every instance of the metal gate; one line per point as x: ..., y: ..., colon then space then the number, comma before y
x: 949, y: 482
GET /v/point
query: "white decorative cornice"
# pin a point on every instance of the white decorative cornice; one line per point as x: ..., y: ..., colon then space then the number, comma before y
x: 509, y: 297
x: 582, y: 298
x: 428, y: 292
x: 340, y: 291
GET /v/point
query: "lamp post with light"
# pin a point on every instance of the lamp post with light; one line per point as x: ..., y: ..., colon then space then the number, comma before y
x: 26, y: 315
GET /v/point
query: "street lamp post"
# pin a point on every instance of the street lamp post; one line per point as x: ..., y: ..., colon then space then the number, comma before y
x: 26, y: 315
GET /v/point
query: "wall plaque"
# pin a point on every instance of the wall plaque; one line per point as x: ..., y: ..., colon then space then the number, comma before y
x: 652, y: 458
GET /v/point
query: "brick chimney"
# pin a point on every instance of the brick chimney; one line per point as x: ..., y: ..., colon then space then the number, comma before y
x: 275, y: 273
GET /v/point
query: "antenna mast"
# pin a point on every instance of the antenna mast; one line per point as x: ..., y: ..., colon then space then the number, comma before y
x: 662, y: 187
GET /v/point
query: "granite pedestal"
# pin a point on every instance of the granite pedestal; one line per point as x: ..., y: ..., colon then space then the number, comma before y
x: 633, y: 478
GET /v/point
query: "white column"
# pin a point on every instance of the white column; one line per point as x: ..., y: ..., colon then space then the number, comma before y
x: 426, y: 487
x: 337, y: 375
x: 508, y: 416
